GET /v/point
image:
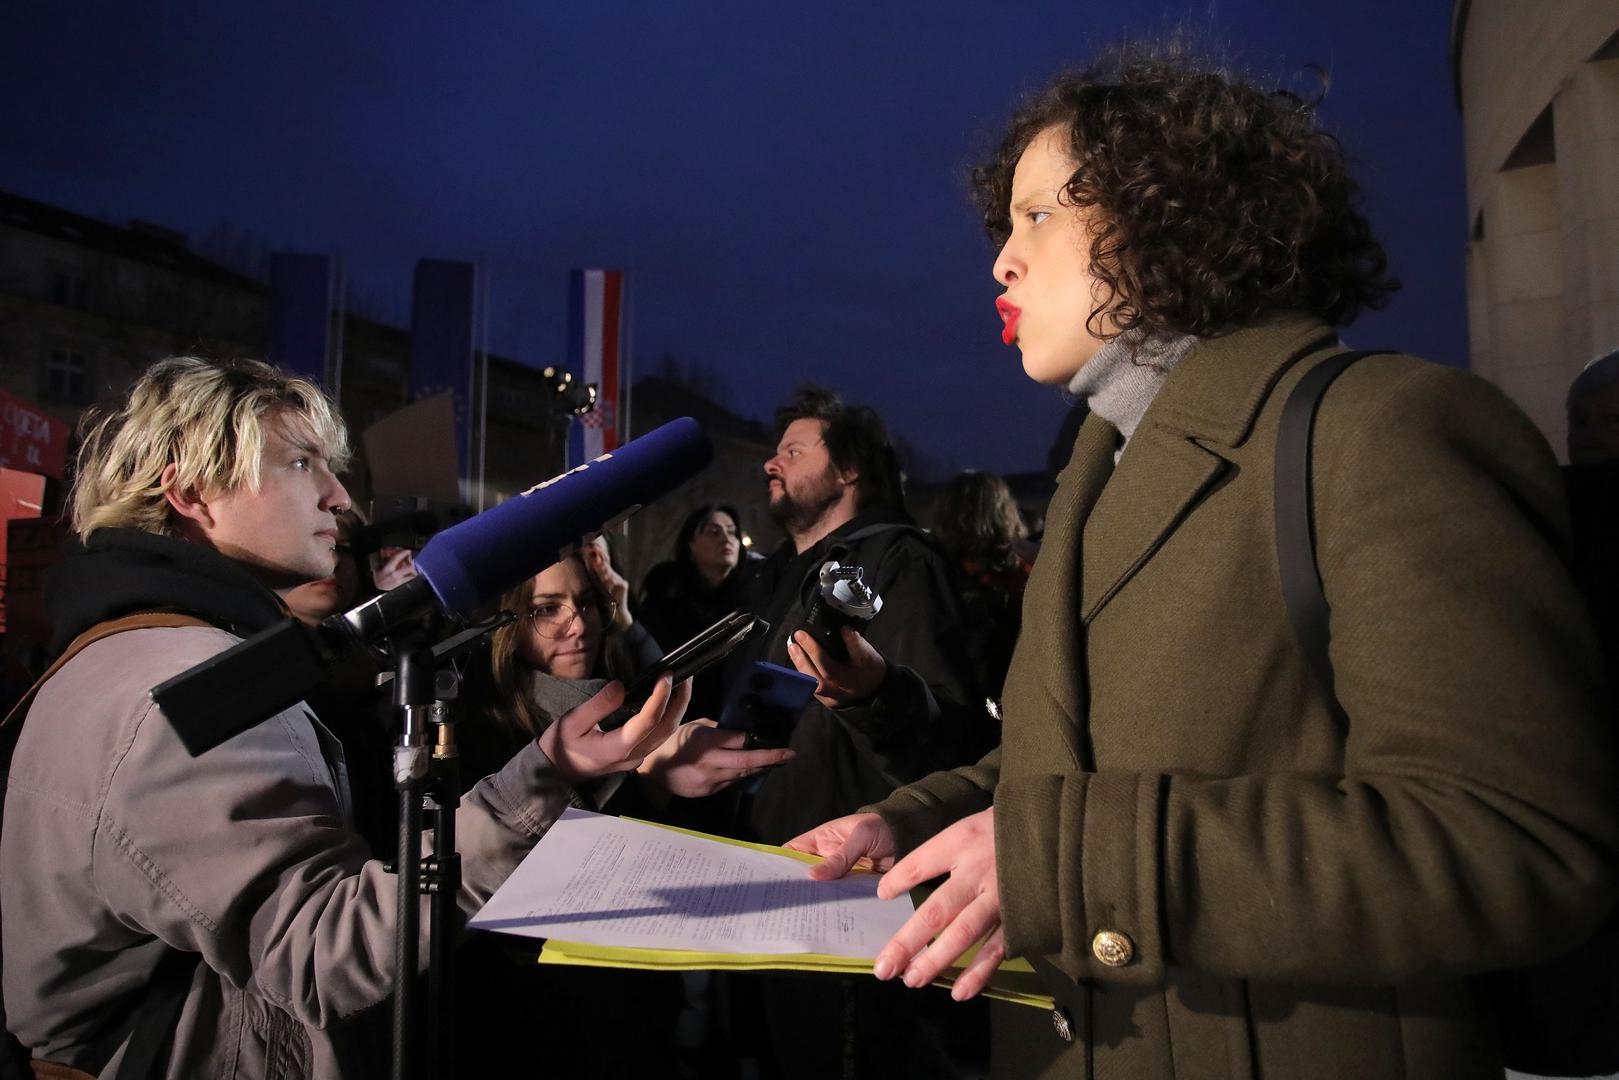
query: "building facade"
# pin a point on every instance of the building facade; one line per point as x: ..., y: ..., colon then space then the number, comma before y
x: 1538, y: 86
x: 86, y: 306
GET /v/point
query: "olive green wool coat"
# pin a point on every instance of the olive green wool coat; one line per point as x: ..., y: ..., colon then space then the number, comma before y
x: 1297, y: 897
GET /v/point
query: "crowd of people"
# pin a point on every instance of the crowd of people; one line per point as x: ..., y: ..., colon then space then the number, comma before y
x: 1111, y: 751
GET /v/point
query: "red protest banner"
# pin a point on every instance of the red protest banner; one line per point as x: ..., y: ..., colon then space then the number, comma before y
x: 33, y: 546
x: 30, y: 438
x: 22, y: 495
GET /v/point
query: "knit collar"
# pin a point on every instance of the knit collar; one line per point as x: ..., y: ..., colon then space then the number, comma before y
x: 1125, y: 374
x: 555, y: 696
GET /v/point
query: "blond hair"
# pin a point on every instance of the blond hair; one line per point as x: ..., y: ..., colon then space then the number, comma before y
x: 206, y: 417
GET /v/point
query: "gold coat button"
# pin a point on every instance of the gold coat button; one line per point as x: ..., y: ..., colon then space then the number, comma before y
x: 1113, y: 948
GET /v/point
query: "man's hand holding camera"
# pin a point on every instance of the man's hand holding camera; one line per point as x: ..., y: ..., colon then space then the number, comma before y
x: 840, y: 683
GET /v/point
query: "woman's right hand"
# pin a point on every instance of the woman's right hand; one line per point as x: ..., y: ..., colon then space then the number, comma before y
x: 581, y: 751
x: 702, y: 758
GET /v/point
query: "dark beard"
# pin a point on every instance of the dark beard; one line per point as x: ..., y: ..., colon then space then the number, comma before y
x: 797, y: 517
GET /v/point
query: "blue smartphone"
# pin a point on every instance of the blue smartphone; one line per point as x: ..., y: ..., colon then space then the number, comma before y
x: 767, y: 701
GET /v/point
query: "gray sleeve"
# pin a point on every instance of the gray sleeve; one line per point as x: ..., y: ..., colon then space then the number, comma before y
x: 242, y: 855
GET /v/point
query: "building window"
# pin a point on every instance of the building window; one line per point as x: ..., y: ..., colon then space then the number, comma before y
x: 67, y: 375
x: 71, y: 290
x: 381, y: 366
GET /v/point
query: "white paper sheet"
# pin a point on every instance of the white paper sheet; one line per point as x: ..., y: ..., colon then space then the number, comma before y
x: 607, y: 881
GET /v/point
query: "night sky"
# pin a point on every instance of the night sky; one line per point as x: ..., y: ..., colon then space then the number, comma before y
x: 784, y: 182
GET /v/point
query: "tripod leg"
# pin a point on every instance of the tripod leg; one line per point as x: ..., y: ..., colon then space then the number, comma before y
x: 446, y: 884
x: 413, y: 689
x: 406, y: 938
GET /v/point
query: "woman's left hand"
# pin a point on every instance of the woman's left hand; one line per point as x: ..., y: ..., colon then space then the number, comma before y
x: 582, y: 751
x: 700, y: 759
x: 958, y: 914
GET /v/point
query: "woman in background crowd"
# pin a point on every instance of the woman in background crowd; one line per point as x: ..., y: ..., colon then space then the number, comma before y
x: 983, y: 534
x: 705, y: 580
x: 550, y: 659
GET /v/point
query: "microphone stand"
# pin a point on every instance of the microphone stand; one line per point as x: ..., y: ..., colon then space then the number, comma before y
x: 427, y: 778
x: 413, y: 695
x: 442, y: 879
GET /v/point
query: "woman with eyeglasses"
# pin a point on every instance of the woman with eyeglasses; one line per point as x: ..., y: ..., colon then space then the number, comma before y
x: 539, y: 668
x: 551, y: 660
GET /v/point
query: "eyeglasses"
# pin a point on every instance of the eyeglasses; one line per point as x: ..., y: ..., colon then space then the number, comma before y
x: 553, y: 620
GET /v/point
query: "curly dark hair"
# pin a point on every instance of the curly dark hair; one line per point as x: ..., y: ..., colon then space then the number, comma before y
x: 1218, y: 202
x: 856, y: 439
x: 979, y: 519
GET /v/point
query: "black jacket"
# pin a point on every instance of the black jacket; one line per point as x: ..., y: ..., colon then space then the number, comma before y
x: 926, y: 716
x: 122, y: 571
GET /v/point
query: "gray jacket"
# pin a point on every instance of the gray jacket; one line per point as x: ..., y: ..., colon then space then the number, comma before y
x: 118, y: 844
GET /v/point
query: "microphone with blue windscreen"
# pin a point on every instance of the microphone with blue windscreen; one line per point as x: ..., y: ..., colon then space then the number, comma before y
x: 477, y: 560
x: 459, y: 570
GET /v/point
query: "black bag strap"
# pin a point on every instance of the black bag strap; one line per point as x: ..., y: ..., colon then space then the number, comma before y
x: 159, y: 1014
x: 159, y: 1010
x: 140, y: 620
x: 885, y: 527
x: 842, y: 547
x: 1295, y: 522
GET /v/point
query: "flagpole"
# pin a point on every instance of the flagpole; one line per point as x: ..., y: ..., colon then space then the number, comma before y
x: 483, y: 391
x: 339, y: 306
x: 625, y: 368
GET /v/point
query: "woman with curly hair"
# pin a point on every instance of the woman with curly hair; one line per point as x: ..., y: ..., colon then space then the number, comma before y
x: 1221, y: 860
x: 983, y: 534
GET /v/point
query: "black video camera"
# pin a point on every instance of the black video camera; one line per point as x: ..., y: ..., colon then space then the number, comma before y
x: 841, y: 599
x: 406, y: 521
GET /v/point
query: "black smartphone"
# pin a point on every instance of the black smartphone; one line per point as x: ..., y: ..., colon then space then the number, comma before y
x: 766, y: 702
x: 686, y: 660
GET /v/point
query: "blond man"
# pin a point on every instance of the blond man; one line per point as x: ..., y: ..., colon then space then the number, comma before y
x: 126, y: 865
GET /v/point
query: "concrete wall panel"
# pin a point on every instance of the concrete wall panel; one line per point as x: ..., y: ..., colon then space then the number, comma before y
x: 1514, y: 56
x: 1543, y: 283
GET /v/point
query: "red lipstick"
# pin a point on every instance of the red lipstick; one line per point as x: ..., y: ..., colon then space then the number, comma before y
x: 1009, y: 317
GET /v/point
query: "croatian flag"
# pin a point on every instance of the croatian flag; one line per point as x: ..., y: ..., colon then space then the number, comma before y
x: 596, y: 355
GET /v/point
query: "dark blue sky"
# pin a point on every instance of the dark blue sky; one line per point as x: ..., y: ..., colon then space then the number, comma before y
x: 784, y: 182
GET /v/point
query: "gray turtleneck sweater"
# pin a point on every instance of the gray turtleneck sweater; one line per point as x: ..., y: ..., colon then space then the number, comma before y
x: 1120, y: 381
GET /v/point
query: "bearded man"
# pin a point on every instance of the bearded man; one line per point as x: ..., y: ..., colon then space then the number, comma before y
x: 904, y: 700
x: 902, y: 704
